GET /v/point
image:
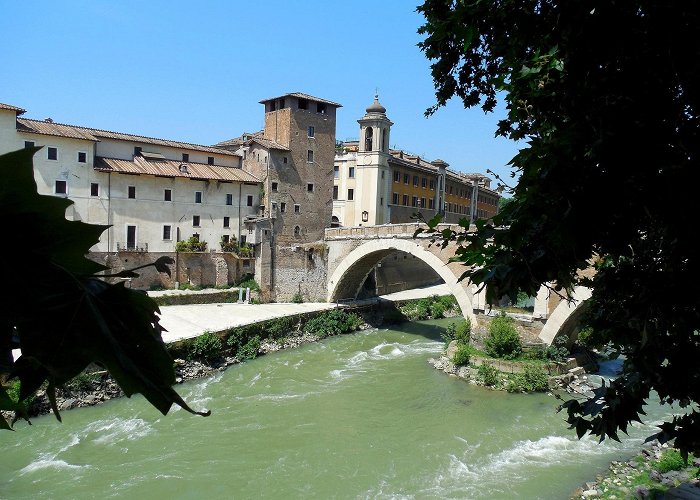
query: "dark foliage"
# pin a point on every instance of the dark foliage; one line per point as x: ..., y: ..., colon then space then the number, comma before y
x: 606, y: 95
x: 61, y: 315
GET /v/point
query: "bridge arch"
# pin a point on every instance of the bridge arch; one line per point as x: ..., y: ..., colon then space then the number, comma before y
x: 350, y: 274
x: 564, y: 318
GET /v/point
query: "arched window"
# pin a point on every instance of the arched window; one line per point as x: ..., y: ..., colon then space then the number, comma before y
x: 368, y: 139
x: 383, y: 145
x: 297, y: 231
x: 335, y: 222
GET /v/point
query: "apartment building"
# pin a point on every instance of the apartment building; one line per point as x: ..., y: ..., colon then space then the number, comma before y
x: 375, y: 184
x: 151, y: 192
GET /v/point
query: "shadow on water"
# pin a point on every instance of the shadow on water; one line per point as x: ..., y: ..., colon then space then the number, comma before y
x: 427, y: 329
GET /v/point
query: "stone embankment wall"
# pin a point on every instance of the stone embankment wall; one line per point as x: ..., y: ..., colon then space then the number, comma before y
x: 196, y: 268
x: 301, y: 269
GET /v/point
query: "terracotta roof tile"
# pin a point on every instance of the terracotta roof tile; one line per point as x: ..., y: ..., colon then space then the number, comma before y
x: 170, y: 168
x: 93, y: 134
x: 12, y: 108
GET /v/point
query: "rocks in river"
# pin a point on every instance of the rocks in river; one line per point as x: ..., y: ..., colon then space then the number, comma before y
x: 619, y: 482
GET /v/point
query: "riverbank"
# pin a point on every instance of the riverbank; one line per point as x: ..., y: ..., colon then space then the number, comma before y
x: 95, y: 387
x: 657, y: 472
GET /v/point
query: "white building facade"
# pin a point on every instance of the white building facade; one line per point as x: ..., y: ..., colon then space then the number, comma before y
x: 152, y: 192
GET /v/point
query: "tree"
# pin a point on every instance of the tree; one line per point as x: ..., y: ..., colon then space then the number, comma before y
x: 60, y: 313
x: 606, y: 96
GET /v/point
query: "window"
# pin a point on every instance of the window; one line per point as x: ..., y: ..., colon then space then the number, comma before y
x: 395, y: 198
x: 382, y: 174
x: 28, y: 144
x: 274, y: 206
x: 310, y: 156
x: 422, y: 202
x: 432, y: 184
x: 351, y: 194
x: 167, y: 232
x: 310, y: 188
x: 297, y: 209
x: 137, y: 150
x: 303, y: 104
x: 131, y: 192
x: 415, y: 181
x: 297, y: 231
x: 321, y: 107
x: 82, y: 157
x: 185, y: 157
x: 283, y: 207
x: 61, y: 187
x: 274, y: 186
x: 227, y: 221
x: 225, y: 238
x: 431, y: 203
x: 381, y: 202
x: 351, y: 172
x: 210, y: 160
x: 405, y: 200
x: 311, y: 131
x: 336, y: 171
x: 198, y: 197
x: 335, y: 192
x: 245, y: 154
x: 195, y: 220
x: 229, y: 199
x: 414, y: 201
x: 243, y: 237
x: 167, y: 195
x: 94, y: 189
x: 52, y: 153
x: 406, y: 179
x: 368, y: 139
x: 285, y: 159
x: 249, y: 200
x: 424, y: 183
x: 130, y: 236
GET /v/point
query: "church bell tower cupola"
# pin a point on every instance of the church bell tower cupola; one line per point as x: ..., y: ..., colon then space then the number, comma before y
x: 374, y: 129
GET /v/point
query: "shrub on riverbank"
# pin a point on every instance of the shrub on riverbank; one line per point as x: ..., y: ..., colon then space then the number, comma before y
x: 503, y: 340
x: 532, y: 379
x: 207, y: 347
x: 462, y: 355
x: 433, y: 307
x: 333, y: 322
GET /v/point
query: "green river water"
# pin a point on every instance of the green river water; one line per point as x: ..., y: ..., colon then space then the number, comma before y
x: 356, y: 416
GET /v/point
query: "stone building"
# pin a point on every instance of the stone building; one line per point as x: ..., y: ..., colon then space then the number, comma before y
x: 293, y: 156
x: 375, y: 184
x: 151, y: 192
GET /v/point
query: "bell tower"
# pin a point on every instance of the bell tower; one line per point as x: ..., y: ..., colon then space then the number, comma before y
x: 373, y: 172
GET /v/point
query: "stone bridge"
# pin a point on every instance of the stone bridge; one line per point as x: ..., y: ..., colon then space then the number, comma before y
x: 354, y: 252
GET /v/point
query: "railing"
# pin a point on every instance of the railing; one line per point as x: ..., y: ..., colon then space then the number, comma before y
x: 121, y: 247
x: 404, y: 230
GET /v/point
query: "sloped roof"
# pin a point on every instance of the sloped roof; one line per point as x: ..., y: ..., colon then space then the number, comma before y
x: 171, y: 168
x: 301, y: 95
x: 92, y: 134
x: 19, y: 111
x: 255, y: 137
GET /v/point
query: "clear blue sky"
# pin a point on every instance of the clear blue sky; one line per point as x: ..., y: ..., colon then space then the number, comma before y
x: 195, y: 71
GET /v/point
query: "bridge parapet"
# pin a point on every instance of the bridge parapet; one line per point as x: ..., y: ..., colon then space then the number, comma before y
x: 405, y: 230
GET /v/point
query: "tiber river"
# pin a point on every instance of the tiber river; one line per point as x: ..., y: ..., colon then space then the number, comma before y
x: 356, y: 416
